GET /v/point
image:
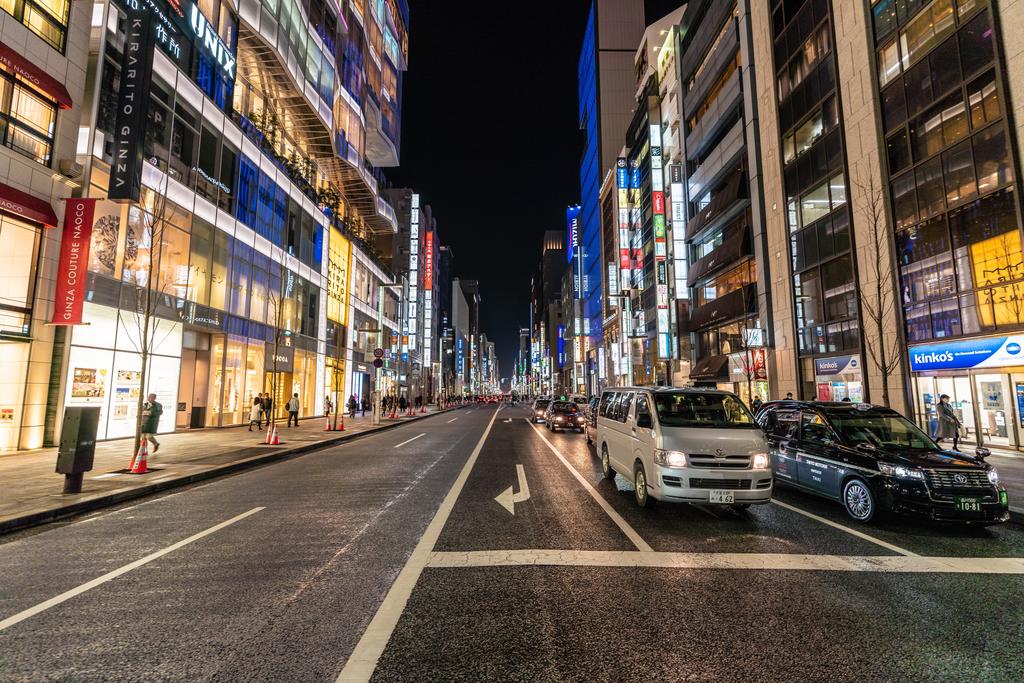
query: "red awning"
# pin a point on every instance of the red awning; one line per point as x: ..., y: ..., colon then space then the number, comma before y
x: 24, y: 205
x: 17, y: 64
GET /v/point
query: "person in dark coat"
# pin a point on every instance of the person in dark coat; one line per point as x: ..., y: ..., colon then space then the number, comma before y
x: 949, y: 424
x: 365, y: 406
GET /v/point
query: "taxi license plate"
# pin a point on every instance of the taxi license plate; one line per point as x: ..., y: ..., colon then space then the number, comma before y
x: 968, y: 504
x: 728, y: 497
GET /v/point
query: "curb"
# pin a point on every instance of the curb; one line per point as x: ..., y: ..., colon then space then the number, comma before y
x: 40, y: 517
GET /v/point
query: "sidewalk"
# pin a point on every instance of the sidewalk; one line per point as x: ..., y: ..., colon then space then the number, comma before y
x: 31, y: 490
x: 1011, y: 471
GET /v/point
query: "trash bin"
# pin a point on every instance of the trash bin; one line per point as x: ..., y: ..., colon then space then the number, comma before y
x: 77, y: 445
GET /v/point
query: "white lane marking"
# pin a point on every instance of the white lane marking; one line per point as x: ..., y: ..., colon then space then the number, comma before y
x: 452, y: 420
x: 363, y: 660
x: 752, y: 561
x: 410, y: 440
x: 108, y: 475
x: 109, y: 576
x: 633, y: 536
x: 852, y: 532
x: 507, y: 499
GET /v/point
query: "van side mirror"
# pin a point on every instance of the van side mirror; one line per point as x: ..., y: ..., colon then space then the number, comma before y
x: 982, y: 453
x: 644, y: 422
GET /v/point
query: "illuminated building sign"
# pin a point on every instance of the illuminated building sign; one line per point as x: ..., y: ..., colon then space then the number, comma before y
x: 414, y: 262
x: 660, y: 244
x: 132, y: 107
x: 428, y: 295
x: 575, y: 253
x: 206, y: 35
x: 339, y: 253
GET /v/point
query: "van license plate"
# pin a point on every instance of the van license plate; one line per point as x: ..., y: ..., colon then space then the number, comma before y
x: 968, y: 504
x: 727, y: 497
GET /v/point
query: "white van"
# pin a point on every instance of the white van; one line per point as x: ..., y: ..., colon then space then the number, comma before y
x: 684, y: 445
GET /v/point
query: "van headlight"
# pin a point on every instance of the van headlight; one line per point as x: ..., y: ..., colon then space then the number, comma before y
x: 993, y: 476
x: 669, y: 458
x: 900, y: 472
x: 759, y: 461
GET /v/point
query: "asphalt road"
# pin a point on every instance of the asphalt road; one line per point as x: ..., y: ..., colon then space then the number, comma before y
x: 396, y: 557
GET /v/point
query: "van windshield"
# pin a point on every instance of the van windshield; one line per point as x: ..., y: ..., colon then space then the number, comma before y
x: 686, y: 409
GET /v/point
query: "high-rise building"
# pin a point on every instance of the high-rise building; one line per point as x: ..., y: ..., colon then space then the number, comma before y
x: 717, y: 202
x: 44, y: 47
x: 606, y: 87
x: 237, y: 206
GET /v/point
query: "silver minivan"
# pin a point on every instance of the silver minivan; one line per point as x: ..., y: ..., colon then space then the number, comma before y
x: 683, y: 445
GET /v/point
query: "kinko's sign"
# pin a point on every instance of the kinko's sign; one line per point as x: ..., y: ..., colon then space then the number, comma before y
x: 74, y: 261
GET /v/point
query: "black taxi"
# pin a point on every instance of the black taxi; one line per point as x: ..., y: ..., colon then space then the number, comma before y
x: 873, y: 460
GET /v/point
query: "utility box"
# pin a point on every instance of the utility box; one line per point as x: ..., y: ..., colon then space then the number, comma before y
x: 77, y: 445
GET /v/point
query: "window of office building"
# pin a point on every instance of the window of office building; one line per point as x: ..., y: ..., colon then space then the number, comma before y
x: 48, y: 19
x: 27, y: 119
x: 17, y: 263
x: 952, y: 174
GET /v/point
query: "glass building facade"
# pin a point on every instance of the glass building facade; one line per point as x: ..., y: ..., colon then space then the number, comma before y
x: 811, y: 137
x: 954, y: 199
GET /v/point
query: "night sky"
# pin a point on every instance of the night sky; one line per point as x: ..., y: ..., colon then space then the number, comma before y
x: 490, y: 138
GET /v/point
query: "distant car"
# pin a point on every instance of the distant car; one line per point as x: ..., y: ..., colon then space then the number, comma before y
x: 873, y: 460
x: 564, y: 415
x: 539, y: 409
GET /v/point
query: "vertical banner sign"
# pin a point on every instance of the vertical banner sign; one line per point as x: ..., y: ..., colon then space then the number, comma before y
x: 132, y: 105
x: 572, y: 227
x: 74, y: 261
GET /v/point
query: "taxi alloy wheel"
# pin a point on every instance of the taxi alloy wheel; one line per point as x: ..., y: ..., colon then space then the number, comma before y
x: 640, y: 486
x: 606, y: 463
x: 858, y: 500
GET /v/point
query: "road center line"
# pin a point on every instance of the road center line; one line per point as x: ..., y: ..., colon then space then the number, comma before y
x: 363, y: 660
x: 853, y: 532
x: 631, y: 533
x: 410, y: 440
x: 109, y: 576
x: 745, y: 561
x: 452, y: 420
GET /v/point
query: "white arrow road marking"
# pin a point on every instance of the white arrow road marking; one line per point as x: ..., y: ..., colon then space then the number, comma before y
x: 109, y: 576
x: 507, y: 499
x: 452, y: 420
x: 398, y: 445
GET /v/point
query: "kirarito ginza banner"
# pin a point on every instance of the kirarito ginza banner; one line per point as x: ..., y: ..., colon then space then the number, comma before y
x: 74, y: 261
x: 987, y: 352
x: 132, y: 106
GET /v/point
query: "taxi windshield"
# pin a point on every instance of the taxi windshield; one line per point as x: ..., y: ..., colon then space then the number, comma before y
x: 542, y: 404
x: 881, y: 431
x: 686, y: 409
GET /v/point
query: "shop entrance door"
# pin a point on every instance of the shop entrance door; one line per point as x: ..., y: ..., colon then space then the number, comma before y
x: 929, y: 389
x: 995, y: 410
x: 193, y: 381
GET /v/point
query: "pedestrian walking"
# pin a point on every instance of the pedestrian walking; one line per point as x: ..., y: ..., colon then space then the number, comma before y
x: 402, y: 404
x: 365, y: 406
x: 352, y: 405
x: 267, y: 407
x: 419, y: 401
x: 756, y: 405
x: 256, y: 414
x: 328, y: 406
x: 151, y: 412
x: 789, y: 395
x: 293, y: 410
x: 949, y: 424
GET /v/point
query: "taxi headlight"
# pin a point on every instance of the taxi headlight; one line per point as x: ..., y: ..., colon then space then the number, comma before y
x: 993, y: 476
x: 900, y: 472
x: 669, y: 458
x: 759, y: 461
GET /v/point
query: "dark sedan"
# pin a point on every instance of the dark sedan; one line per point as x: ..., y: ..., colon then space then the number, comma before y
x: 564, y: 415
x: 873, y: 460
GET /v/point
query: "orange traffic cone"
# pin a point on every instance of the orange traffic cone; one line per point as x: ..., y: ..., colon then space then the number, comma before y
x: 270, y: 431
x: 140, y: 464
x: 329, y: 428
x: 423, y: 409
x: 341, y: 427
x: 275, y: 441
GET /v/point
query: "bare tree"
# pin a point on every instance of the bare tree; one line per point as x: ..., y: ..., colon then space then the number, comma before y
x: 749, y: 341
x: 152, y: 281
x: 884, y: 350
